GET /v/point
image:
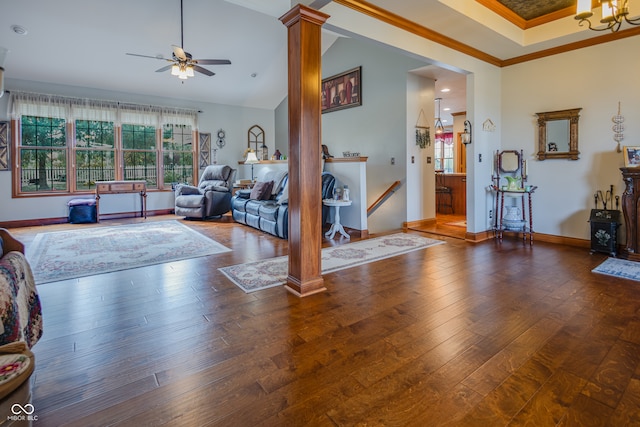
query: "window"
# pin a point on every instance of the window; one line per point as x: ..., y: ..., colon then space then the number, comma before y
x: 43, y: 155
x: 95, y: 153
x: 140, y: 154
x: 65, y: 145
x: 177, y: 143
x: 443, y: 147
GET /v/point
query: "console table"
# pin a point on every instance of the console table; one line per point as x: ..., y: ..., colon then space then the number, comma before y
x: 118, y: 187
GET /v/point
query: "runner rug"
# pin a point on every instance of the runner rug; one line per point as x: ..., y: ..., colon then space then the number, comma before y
x: 258, y: 275
x: 619, y: 268
x: 63, y: 255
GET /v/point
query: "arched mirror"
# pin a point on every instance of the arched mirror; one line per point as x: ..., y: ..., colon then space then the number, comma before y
x: 558, y: 134
x: 255, y: 137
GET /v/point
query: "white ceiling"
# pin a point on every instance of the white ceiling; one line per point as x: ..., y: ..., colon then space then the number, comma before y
x: 81, y: 43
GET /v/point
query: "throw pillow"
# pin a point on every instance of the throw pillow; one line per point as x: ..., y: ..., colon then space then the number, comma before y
x: 261, y: 190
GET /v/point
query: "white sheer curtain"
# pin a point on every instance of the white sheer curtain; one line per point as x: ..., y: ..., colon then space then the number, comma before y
x: 42, y: 105
x: 36, y: 104
x: 146, y: 115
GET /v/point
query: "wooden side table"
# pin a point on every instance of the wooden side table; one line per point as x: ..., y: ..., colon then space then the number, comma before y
x: 336, y: 226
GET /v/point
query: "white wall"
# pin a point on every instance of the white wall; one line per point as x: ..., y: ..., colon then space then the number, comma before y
x: 483, y: 97
x: 593, y: 79
x: 378, y: 128
x: 234, y: 120
x: 420, y: 181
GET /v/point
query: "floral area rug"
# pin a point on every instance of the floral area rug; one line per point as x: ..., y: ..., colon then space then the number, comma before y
x: 258, y: 275
x: 62, y: 255
x: 619, y: 268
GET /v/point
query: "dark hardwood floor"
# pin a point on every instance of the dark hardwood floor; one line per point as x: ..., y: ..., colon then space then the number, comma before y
x: 459, y: 334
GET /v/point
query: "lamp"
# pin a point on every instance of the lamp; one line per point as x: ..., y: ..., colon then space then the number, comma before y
x: 439, y: 127
x: 466, y: 135
x: 251, y: 160
x: 614, y: 13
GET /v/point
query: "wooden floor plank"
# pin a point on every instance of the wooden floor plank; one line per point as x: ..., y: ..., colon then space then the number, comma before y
x: 462, y: 334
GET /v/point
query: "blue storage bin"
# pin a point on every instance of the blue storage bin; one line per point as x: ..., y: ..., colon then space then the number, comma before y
x: 82, y: 211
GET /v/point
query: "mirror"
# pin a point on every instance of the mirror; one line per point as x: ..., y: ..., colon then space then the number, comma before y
x: 509, y: 161
x: 255, y: 137
x: 558, y: 134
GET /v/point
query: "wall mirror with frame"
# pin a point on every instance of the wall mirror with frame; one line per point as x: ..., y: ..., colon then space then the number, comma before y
x: 558, y: 134
x: 509, y: 161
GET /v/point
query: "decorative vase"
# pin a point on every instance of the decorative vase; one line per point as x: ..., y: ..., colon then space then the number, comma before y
x: 512, y: 220
x: 512, y: 182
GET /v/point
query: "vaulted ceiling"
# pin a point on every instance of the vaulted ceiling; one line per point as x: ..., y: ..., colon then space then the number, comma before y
x: 80, y: 43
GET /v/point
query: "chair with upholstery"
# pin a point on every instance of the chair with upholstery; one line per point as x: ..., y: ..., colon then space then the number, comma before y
x: 444, y: 195
x: 212, y: 196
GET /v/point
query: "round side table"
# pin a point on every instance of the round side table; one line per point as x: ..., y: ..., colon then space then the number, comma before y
x: 336, y: 226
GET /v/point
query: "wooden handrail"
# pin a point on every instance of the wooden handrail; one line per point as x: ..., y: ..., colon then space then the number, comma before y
x: 384, y: 195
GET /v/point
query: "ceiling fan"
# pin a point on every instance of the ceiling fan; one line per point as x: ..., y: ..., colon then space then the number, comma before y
x: 182, y: 63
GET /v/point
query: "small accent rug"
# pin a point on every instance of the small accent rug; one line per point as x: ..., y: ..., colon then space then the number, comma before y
x: 619, y: 268
x: 258, y: 275
x: 68, y: 254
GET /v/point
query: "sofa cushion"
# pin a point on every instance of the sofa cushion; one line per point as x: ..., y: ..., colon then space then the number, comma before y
x: 190, y: 201
x: 261, y: 190
x: 269, y: 211
x: 283, y: 197
x: 216, y: 176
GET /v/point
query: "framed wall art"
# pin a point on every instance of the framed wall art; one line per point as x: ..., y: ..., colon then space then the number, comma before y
x: 631, y: 157
x: 205, y: 150
x: 342, y: 91
x: 4, y: 146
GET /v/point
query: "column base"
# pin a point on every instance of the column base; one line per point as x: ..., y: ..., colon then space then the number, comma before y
x: 306, y: 288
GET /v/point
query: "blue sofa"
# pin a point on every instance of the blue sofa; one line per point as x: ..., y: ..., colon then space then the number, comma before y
x: 271, y: 215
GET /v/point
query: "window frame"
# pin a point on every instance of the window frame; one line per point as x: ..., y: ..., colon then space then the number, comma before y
x: 158, y: 118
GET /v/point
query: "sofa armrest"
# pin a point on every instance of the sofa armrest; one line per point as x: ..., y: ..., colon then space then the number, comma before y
x: 10, y: 243
x: 185, y: 190
x: 243, y: 194
x: 219, y: 188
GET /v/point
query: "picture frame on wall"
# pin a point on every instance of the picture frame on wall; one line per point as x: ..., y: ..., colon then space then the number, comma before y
x: 631, y: 157
x: 342, y: 91
x: 205, y: 150
x: 4, y: 146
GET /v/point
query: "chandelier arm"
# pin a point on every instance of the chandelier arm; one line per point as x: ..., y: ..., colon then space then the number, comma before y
x: 591, y: 27
x: 635, y: 21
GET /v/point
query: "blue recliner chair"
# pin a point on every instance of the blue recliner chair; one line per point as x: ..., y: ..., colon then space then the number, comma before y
x: 211, y: 198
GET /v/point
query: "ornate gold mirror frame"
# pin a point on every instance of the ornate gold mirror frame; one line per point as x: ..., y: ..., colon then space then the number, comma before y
x: 558, y: 134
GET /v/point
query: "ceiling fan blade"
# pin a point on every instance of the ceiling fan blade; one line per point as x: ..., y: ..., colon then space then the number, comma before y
x: 203, y: 70
x: 145, y: 56
x: 212, y: 61
x: 179, y: 53
x: 165, y: 68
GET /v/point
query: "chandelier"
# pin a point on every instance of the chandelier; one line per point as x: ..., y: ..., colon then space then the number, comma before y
x: 614, y: 13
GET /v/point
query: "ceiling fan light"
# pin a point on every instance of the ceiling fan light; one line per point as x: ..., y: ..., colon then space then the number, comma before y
x: 175, y: 70
x: 183, y: 76
x: 190, y: 72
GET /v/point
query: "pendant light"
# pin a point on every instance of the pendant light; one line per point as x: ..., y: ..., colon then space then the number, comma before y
x: 439, y: 127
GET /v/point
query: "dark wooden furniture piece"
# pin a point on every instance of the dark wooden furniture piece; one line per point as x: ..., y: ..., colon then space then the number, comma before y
x: 118, y: 187
x: 631, y: 178
x: 604, y: 230
x: 525, y: 202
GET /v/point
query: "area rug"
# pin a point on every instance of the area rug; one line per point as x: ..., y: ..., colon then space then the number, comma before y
x: 619, y: 268
x: 63, y: 255
x: 258, y: 275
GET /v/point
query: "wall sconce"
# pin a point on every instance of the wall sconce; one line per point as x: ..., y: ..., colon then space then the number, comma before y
x: 466, y: 135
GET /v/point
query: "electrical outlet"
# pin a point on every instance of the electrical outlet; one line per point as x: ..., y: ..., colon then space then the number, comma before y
x: 393, y: 160
x: 413, y: 159
x: 490, y: 213
x: 429, y: 159
x: 480, y: 158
